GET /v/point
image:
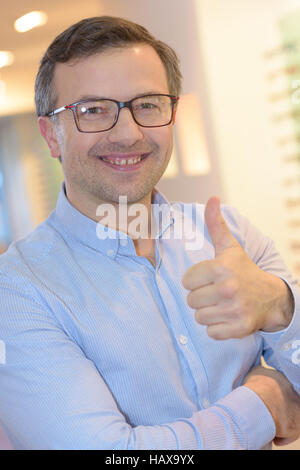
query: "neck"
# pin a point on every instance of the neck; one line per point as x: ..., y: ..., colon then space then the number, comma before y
x: 134, y: 219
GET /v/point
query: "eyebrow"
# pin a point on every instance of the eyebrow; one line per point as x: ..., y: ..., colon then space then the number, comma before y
x: 94, y: 97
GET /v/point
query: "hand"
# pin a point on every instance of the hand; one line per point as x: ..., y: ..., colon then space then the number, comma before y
x: 281, y: 400
x: 231, y: 294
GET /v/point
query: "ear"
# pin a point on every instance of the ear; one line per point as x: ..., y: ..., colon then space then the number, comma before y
x: 48, y: 131
x: 174, y: 115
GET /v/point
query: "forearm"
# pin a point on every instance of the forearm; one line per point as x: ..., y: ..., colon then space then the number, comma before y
x: 239, y: 421
x: 280, y: 398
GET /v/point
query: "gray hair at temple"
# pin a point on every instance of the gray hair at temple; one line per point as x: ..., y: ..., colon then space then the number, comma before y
x: 91, y: 36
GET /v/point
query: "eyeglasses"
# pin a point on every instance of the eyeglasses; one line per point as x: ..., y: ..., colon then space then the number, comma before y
x: 99, y: 115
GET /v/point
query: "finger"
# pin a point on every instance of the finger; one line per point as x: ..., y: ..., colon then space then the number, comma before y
x: 208, y: 316
x: 214, y: 314
x: 219, y: 232
x: 203, y: 297
x: 225, y: 330
x: 221, y: 322
x: 283, y: 441
x: 217, y: 331
x: 218, y: 313
x: 199, y: 275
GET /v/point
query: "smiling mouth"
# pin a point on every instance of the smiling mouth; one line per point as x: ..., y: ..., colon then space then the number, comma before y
x: 123, y: 161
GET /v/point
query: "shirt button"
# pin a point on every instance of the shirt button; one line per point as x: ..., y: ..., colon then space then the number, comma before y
x: 123, y: 241
x: 183, y: 339
x: 110, y: 252
x: 206, y: 403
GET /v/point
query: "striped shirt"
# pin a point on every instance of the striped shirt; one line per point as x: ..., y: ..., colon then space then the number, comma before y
x: 99, y: 349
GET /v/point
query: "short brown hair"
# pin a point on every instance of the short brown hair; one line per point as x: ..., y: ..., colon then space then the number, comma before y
x: 91, y: 36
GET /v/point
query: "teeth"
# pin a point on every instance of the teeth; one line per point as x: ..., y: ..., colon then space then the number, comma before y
x: 130, y: 161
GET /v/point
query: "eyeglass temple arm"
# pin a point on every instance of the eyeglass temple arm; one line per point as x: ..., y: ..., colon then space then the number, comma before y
x: 58, y: 110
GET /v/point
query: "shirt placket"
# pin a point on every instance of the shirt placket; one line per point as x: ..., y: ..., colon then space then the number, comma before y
x: 178, y: 328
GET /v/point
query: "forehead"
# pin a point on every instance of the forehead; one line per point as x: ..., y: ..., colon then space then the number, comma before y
x: 116, y: 73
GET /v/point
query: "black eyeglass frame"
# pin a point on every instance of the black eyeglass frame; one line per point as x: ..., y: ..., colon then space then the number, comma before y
x: 120, y: 104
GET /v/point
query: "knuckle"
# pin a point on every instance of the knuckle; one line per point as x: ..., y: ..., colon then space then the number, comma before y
x: 186, y: 280
x: 219, y: 268
x: 222, y: 266
x: 217, y: 333
x: 199, y: 317
x: 229, y: 289
x: 191, y: 299
x: 249, y: 324
x: 245, y: 327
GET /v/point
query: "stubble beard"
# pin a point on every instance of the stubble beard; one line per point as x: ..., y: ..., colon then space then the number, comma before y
x: 108, y: 192
x: 104, y: 191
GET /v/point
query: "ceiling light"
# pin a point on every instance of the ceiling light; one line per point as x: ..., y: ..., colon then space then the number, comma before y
x: 30, y: 20
x: 6, y: 58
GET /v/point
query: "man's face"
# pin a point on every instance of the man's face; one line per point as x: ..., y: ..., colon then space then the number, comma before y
x: 120, y: 74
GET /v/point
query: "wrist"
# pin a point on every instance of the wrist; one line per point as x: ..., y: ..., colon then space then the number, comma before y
x: 281, y: 308
x: 267, y: 391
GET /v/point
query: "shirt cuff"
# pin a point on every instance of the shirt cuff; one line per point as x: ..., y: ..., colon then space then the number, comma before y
x: 282, y: 348
x: 251, y: 416
x: 285, y: 338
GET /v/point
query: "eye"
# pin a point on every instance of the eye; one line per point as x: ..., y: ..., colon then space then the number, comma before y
x: 92, y: 110
x: 148, y: 106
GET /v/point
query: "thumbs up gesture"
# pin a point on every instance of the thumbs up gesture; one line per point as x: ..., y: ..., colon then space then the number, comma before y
x: 231, y: 295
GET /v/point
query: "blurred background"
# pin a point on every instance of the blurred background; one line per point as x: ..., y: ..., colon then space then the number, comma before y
x: 237, y: 133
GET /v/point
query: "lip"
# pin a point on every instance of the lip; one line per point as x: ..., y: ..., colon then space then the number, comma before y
x: 123, y: 156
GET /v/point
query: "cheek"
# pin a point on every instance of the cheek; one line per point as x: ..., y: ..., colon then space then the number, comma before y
x: 163, y: 139
x: 168, y: 143
x: 78, y: 143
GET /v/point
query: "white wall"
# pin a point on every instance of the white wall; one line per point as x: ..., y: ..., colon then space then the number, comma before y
x: 235, y: 35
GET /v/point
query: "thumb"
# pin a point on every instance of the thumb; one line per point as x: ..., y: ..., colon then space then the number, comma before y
x: 219, y: 233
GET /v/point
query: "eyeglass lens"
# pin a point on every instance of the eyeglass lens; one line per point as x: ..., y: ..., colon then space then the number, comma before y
x: 100, y: 115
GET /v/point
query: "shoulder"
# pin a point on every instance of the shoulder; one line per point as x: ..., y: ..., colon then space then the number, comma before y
x: 26, y: 254
x: 195, y: 212
x: 252, y: 240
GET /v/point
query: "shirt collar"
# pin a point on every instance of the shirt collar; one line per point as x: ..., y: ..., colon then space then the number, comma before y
x: 97, y: 236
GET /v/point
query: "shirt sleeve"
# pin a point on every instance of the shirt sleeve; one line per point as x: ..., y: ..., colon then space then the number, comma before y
x: 53, y: 397
x: 281, y: 349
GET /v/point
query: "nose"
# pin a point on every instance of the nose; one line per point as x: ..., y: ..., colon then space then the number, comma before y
x: 126, y: 129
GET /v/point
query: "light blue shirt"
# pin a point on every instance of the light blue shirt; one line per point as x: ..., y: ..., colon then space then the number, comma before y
x: 99, y: 349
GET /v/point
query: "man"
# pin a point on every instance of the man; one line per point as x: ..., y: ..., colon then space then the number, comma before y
x: 101, y: 349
